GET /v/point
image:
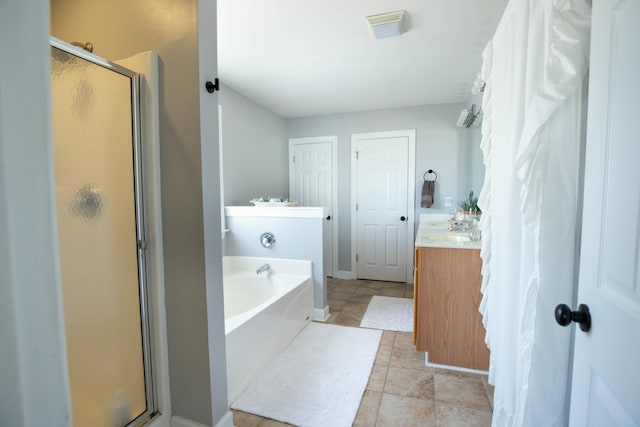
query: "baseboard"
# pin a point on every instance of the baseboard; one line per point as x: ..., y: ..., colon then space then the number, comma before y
x: 321, y: 314
x: 226, y: 421
x: 452, y: 368
x: 177, y: 421
x: 342, y: 274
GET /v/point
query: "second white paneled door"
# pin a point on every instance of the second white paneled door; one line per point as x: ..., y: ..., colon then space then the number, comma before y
x: 383, y: 192
x: 312, y: 182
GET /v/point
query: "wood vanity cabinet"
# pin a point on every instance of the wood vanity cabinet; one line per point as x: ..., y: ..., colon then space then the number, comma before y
x: 447, y: 323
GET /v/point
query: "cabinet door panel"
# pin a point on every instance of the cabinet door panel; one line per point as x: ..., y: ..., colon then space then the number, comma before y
x: 448, y: 325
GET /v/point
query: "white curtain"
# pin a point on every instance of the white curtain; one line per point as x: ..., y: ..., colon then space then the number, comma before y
x: 533, y: 104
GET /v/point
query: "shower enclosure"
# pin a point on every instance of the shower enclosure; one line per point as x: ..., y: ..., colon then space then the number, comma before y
x: 101, y: 237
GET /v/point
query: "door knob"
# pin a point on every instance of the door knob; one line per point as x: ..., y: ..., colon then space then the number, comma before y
x: 403, y: 218
x: 564, y: 316
x: 328, y: 217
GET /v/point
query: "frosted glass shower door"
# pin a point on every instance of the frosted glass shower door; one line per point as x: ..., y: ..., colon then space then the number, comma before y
x: 99, y: 226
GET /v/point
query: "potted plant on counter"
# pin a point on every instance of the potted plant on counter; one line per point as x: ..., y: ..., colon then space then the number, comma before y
x: 470, y: 207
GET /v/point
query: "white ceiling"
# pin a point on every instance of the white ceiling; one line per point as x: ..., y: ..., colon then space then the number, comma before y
x: 310, y: 57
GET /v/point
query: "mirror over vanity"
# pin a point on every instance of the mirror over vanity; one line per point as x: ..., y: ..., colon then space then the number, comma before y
x: 475, y: 162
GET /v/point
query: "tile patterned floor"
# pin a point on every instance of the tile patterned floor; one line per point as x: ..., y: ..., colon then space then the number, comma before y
x: 402, y: 391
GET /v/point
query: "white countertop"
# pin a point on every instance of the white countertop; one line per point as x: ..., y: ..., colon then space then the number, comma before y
x: 433, y: 232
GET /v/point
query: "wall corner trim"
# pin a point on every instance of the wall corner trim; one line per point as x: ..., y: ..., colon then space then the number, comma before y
x: 226, y: 420
x: 344, y: 274
x: 177, y: 421
x: 321, y: 314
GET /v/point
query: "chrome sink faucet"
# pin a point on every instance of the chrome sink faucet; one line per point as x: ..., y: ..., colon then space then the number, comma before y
x: 263, y: 268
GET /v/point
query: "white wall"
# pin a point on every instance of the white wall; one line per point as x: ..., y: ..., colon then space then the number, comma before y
x: 34, y: 389
x: 440, y: 146
x: 211, y: 211
x: 254, y: 150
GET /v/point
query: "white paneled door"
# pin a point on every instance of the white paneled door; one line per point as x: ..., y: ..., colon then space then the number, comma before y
x: 384, y: 186
x: 606, y: 368
x: 312, y: 182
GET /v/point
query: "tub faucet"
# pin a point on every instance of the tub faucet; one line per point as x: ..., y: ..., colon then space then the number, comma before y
x: 263, y: 268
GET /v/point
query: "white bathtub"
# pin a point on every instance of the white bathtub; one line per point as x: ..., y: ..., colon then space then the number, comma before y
x: 263, y: 313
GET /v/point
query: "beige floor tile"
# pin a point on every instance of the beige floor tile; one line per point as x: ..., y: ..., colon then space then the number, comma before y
x: 456, y: 416
x: 346, y: 319
x: 398, y: 293
x: 266, y: 422
x: 397, y: 411
x: 332, y: 317
x: 406, y: 357
x: 410, y: 383
x: 360, y: 298
x: 355, y: 309
x: 384, y: 354
x: 341, y: 294
x: 372, y: 284
x: 368, y: 410
x: 404, y: 340
x: 395, y: 285
x: 378, y: 377
x: 463, y: 392
x: 460, y: 374
x: 489, y: 389
x: 337, y: 305
x: 244, y: 419
x: 363, y: 290
x: 351, y: 285
x: 388, y: 337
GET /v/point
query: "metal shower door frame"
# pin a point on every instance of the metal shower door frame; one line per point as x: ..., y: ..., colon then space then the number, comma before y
x: 141, y: 232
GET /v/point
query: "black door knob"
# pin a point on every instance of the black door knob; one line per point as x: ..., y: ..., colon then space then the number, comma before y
x: 328, y: 217
x: 564, y: 316
x: 403, y: 218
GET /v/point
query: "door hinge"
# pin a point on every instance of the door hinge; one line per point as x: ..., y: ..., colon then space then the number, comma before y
x: 293, y: 159
x: 142, y: 245
x: 356, y: 207
x: 356, y: 257
x: 357, y: 155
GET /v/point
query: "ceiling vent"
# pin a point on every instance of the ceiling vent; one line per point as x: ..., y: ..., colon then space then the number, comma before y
x: 387, y: 24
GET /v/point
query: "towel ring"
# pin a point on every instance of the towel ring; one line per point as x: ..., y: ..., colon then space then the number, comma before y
x: 430, y: 172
